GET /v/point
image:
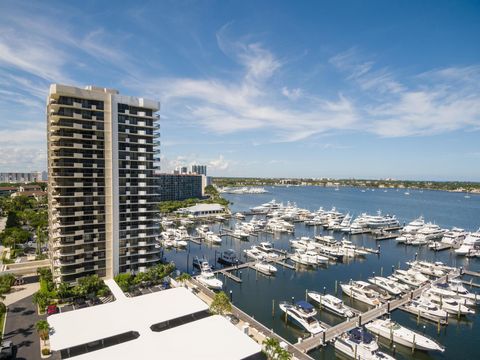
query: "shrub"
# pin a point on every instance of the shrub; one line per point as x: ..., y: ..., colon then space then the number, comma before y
x: 45, y: 351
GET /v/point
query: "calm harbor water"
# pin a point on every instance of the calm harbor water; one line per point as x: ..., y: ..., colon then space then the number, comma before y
x: 256, y: 294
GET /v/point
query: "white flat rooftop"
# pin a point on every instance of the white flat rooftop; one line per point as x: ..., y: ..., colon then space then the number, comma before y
x: 204, y: 207
x: 210, y: 338
x: 125, y: 314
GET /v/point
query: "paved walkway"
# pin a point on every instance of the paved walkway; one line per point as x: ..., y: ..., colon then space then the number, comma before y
x: 20, y: 329
x: 115, y: 289
x: 18, y: 293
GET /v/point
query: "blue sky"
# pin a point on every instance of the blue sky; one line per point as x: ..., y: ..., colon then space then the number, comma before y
x: 261, y: 88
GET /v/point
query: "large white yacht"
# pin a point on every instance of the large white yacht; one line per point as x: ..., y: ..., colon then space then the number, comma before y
x: 410, y: 277
x: 265, y: 268
x: 450, y: 305
x: 303, y: 315
x: 304, y: 243
x: 331, y: 303
x: 361, y: 291
x: 379, y: 221
x: 264, y: 208
x: 453, y: 238
x: 471, y: 243
x: 359, y: 344
x: 431, y: 231
x: 303, y: 258
x: 401, y: 335
x: 413, y: 226
x: 267, y: 248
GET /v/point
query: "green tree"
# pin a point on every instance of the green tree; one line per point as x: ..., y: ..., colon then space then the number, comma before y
x: 211, y: 190
x: 184, y: 277
x: 273, y: 350
x: 13, y: 236
x: 90, y: 286
x: 64, y: 291
x: 12, y: 220
x: 42, y: 299
x: 124, y: 281
x: 220, y: 304
x: 43, y: 329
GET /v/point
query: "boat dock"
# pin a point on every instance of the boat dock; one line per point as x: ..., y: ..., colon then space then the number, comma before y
x: 333, y: 332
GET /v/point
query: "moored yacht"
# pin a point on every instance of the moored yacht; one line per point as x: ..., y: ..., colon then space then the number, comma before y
x: 228, y: 257
x: 303, y: 315
x: 431, y: 231
x: 450, y: 305
x: 361, y: 291
x: 401, y: 335
x: 386, y: 284
x: 208, y: 279
x: 471, y: 243
x: 331, y: 303
x: 413, y: 226
x: 359, y: 344
x: 425, y: 306
x: 212, y: 238
x: 265, y: 268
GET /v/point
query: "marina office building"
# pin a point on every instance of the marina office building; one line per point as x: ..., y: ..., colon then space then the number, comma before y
x: 101, y: 188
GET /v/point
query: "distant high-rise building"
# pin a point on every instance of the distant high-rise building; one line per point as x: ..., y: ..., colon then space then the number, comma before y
x: 179, y: 186
x: 20, y: 177
x: 199, y: 169
x: 101, y: 187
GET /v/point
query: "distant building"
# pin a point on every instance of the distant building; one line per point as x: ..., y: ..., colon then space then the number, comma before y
x: 20, y: 177
x: 199, y: 169
x: 173, y: 187
x: 203, y: 210
x: 7, y: 190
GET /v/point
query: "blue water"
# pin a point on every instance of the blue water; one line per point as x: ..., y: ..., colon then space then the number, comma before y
x: 256, y: 293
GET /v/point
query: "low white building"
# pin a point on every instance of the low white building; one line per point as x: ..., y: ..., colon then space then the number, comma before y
x: 169, y: 324
x: 203, y: 210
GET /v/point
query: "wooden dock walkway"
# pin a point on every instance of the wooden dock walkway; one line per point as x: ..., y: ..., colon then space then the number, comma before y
x: 330, y: 334
x: 470, y: 273
x: 230, y: 276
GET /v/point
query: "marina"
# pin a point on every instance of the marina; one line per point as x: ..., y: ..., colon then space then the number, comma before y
x: 294, y: 280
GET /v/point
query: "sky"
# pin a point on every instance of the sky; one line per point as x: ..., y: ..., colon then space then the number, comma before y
x: 342, y: 89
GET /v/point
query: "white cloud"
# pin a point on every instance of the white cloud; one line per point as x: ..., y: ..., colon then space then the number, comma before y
x: 292, y: 94
x: 219, y: 163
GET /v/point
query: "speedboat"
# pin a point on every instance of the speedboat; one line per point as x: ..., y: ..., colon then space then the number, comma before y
x: 425, y: 306
x: 254, y: 253
x: 208, y: 279
x: 450, y: 305
x: 410, y: 277
x: 444, y: 290
x: 303, y: 315
x: 320, y: 259
x: 265, y: 268
x: 361, y: 291
x: 331, y: 303
x: 303, y: 243
x: 457, y: 287
x: 401, y: 335
x: 177, y: 243
x: 386, y: 284
x: 211, y: 237
x: 436, y: 269
x: 359, y: 344
x: 267, y: 248
x: 228, y: 257
x: 303, y: 258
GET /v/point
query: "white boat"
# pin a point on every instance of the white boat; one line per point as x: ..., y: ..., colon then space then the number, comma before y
x: 413, y: 226
x: 254, y: 253
x: 267, y: 249
x: 202, y: 230
x: 425, y: 306
x: 208, y: 279
x: 327, y: 239
x: 239, y: 216
x: 303, y: 243
x: 177, y: 243
x: 444, y: 290
x: 386, y: 284
x: 401, y: 335
x: 301, y: 257
x: 431, y: 231
x: 471, y: 243
x: 450, y: 305
x: 419, y: 240
x: 453, y: 238
x: 352, y: 248
x: 265, y: 268
x: 320, y: 259
x: 361, y: 291
x: 409, y: 277
x: 201, y: 264
x: 239, y: 233
x: 331, y: 303
x: 430, y: 269
x: 303, y: 315
x: 359, y: 344
x: 457, y: 287
x: 405, y: 238
x: 379, y: 221
x: 212, y: 238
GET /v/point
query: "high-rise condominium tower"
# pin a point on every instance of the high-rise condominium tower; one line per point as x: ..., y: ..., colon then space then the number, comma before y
x: 101, y: 190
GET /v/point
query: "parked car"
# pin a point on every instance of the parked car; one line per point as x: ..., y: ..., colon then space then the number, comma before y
x: 52, y: 309
x: 18, y: 281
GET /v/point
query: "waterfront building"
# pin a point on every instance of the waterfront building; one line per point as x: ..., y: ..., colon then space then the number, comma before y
x: 101, y: 188
x: 199, y: 169
x: 176, y: 187
x: 203, y: 210
x: 20, y: 177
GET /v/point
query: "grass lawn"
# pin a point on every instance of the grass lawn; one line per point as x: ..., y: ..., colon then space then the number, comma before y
x: 2, y: 321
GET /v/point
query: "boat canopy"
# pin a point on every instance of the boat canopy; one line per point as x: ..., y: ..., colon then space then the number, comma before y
x: 359, y: 335
x: 305, y: 306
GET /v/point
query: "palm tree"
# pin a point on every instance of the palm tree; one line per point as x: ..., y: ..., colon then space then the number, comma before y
x: 271, y: 345
x: 43, y: 329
